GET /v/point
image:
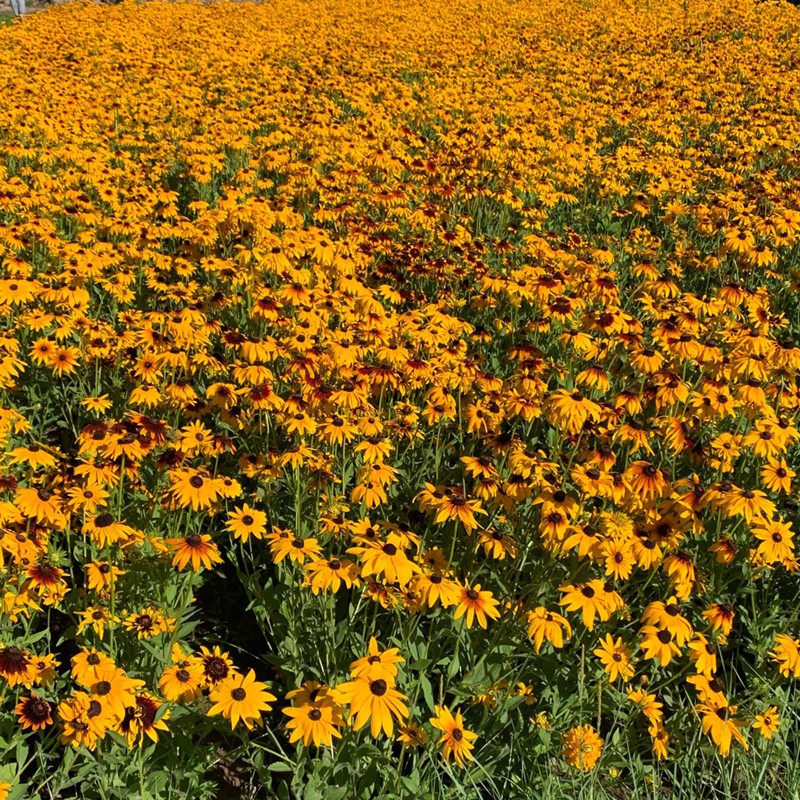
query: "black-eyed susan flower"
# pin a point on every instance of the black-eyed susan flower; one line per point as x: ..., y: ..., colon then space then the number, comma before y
x: 16, y: 666
x: 192, y: 488
x: 589, y: 599
x: 374, y: 701
x: 88, y: 664
x: 545, y: 625
x: 245, y: 522
x: 768, y: 723
x: 240, y: 697
x: 114, y: 689
x: 143, y: 718
x: 412, y: 735
x: 331, y: 573
x: 649, y: 704
x: 615, y: 657
x: 217, y: 665
x: 720, y: 616
x: 295, y: 548
x: 709, y: 690
x: 77, y: 726
x: 377, y: 663
x: 719, y: 722
x: 196, y: 549
x: 456, y: 740
x: 775, y: 541
x: 476, y: 604
x: 42, y: 505
x: 148, y: 622
x: 703, y: 654
x: 96, y: 618
x: 182, y: 682
x: 786, y: 655
x: 101, y: 576
x: 776, y: 475
x: 104, y: 530
x: 386, y: 558
x: 34, y: 712
x: 668, y: 616
x: 437, y: 587
x: 660, y: 740
x: 659, y: 644
x: 315, y: 716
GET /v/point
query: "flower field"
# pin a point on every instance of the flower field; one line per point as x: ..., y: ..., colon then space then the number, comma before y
x: 400, y: 400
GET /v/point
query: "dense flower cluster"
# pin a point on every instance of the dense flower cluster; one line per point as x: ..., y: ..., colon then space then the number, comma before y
x: 458, y: 351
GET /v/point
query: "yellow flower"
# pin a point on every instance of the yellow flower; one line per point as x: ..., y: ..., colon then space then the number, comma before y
x: 588, y: 598
x: 315, y: 716
x: 377, y: 663
x: 615, y: 658
x: 719, y: 723
x: 99, y: 404
x: 374, y: 701
x: 476, y: 604
x: 456, y: 740
x: 582, y: 747
x: 767, y: 723
x: 241, y: 697
x: 195, y: 548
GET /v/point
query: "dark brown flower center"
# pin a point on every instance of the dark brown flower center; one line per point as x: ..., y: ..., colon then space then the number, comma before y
x: 13, y: 660
x: 216, y: 668
x: 37, y: 710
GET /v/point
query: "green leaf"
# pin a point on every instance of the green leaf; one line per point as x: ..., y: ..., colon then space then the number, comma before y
x: 427, y: 691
